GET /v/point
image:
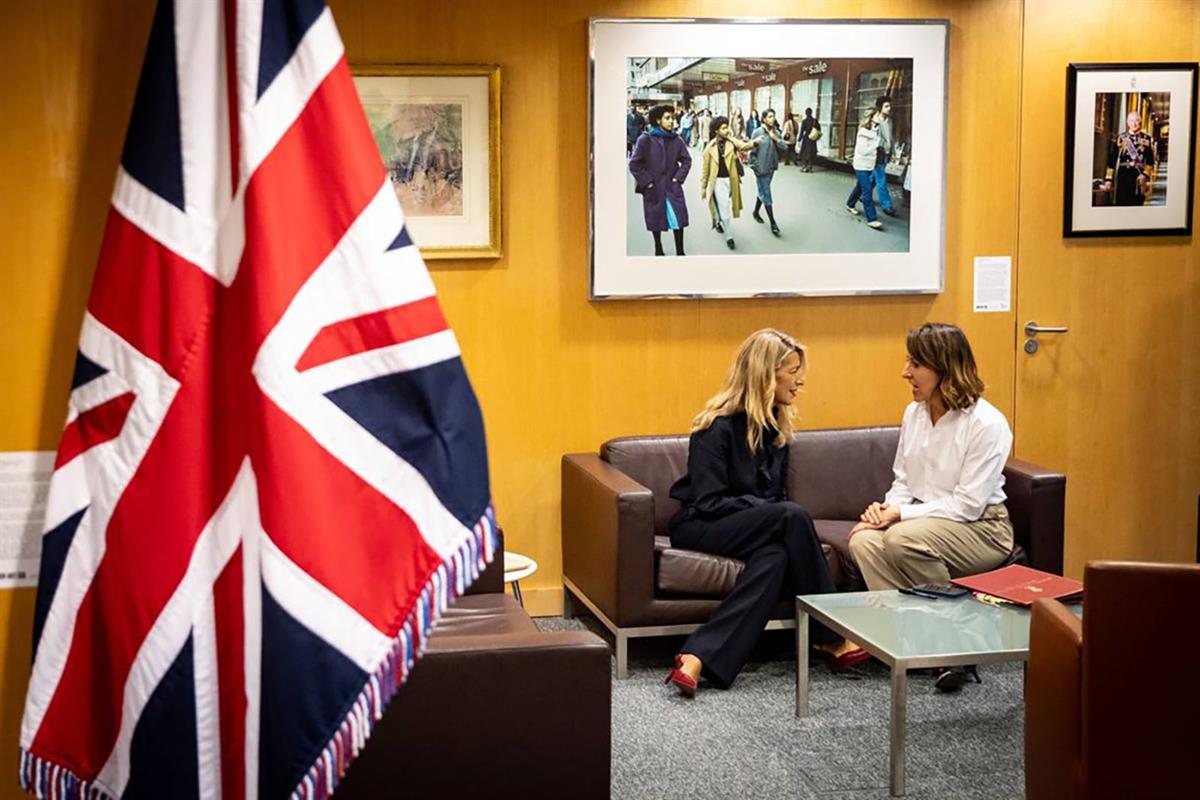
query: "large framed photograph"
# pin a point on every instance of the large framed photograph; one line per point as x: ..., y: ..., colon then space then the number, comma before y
x: 767, y: 157
x: 1126, y: 124
x: 438, y: 130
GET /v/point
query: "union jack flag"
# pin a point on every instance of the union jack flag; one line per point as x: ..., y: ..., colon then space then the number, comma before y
x: 273, y: 475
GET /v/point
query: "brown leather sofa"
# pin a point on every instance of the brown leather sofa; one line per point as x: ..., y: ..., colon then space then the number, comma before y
x: 1095, y: 729
x: 487, y: 707
x: 619, y: 564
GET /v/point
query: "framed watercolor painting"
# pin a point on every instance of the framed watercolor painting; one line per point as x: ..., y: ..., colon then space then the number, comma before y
x: 753, y: 157
x: 1130, y: 149
x: 438, y: 131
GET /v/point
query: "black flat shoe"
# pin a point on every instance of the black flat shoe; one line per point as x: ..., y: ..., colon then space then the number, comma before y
x: 951, y: 679
x: 717, y: 227
x: 730, y: 243
x: 775, y: 230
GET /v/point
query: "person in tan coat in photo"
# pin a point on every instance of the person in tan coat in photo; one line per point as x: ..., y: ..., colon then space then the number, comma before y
x: 720, y: 177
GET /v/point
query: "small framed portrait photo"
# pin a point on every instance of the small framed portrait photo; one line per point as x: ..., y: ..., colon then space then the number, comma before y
x: 1131, y: 149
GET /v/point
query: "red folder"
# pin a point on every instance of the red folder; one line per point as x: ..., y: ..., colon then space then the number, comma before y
x: 1021, y: 585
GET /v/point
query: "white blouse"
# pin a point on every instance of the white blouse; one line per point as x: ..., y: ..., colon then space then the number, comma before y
x: 954, y: 469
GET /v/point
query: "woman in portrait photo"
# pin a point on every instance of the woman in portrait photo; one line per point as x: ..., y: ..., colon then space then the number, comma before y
x: 808, y: 142
x: 659, y: 164
x: 866, y: 151
x: 721, y: 177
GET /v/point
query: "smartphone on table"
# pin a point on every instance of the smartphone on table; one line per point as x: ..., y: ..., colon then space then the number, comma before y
x: 936, y: 590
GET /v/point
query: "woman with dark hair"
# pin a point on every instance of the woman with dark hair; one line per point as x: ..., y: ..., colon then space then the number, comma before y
x: 808, y: 143
x: 944, y: 516
x: 764, y: 162
x: 734, y: 503
x: 753, y: 123
x: 721, y: 177
x: 659, y: 164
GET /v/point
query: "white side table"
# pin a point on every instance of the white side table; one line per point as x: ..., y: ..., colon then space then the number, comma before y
x: 516, y: 567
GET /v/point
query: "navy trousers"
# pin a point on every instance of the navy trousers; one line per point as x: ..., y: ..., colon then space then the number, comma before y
x: 783, y: 559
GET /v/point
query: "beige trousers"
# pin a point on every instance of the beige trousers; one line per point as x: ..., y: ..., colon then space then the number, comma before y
x: 932, y: 550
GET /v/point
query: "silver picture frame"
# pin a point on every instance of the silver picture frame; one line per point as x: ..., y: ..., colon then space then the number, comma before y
x: 614, y: 43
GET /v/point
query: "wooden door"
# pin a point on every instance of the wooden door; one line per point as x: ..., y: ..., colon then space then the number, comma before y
x: 1115, y: 402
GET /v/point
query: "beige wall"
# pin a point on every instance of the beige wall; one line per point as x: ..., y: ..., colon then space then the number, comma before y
x: 554, y: 372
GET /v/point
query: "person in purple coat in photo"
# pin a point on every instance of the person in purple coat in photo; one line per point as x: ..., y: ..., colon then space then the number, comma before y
x: 659, y: 164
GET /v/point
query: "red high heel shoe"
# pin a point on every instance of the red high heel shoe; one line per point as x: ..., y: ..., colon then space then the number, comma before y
x: 683, y: 682
x: 845, y: 660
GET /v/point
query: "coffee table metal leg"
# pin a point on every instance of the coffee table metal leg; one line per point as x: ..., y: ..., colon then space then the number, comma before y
x: 801, y: 661
x: 899, y: 708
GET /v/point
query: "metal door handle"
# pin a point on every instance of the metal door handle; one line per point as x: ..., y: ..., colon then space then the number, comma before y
x: 1033, y: 329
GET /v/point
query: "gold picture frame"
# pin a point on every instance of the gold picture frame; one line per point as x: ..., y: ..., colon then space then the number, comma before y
x: 440, y: 150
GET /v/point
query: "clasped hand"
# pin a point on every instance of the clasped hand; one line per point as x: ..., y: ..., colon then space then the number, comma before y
x: 876, y: 517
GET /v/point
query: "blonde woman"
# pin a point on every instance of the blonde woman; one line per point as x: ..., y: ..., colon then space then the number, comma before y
x: 734, y: 503
x: 944, y: 515
x: 721, y: 177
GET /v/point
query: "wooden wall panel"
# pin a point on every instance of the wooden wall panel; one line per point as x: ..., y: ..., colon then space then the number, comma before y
x: 554, y: 372
x: 1116, y: 401
x: 70, y: 74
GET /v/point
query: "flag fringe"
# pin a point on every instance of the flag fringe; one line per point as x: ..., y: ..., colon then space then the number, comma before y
x: 51, y: 781
x: 448, y: 581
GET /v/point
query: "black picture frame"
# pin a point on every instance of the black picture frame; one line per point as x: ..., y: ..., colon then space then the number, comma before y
x: 1136, y: 221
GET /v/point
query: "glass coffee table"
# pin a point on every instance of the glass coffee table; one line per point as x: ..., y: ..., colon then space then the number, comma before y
x: 907, y: 632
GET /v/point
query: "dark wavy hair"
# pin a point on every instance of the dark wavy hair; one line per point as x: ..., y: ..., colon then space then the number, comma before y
x: 714, y: 125
x: 656, y: 114
x: 944, y: 349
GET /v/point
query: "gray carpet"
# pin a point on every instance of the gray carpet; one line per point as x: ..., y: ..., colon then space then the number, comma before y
x: 746, y: 742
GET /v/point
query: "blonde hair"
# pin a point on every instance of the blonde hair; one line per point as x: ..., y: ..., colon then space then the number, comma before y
x: 944, y: 349
x: 750, y: 387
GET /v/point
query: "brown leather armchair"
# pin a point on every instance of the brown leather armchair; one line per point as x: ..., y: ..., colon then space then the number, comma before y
x: 619, y: 564
x: 486, y: 703
x: 1095, y: 729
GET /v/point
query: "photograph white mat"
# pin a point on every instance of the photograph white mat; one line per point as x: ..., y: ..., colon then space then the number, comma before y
x: 616, y: 275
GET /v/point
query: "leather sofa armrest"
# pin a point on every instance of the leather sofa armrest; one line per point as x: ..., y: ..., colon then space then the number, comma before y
x: 491, y: 580
x: 607, y: 536
x: 1037, y: 505
x: 491, y: 710
x: 1052, y: 703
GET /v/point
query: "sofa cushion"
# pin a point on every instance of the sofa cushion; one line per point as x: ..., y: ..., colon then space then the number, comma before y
x: 835, y: 536
x: 655, y: 462
x: 833, y: 473
x: 696, y: 574
x: 473, y: 615
x: 836, y: 473
x: 691, y: 573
